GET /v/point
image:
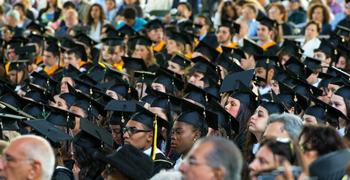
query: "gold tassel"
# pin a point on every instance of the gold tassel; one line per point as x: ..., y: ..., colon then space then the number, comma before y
x: 155, y: 126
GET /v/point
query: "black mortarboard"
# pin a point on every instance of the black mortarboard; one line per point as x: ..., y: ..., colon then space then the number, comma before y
x: 147, y: 118
x: 296, y: 68
x: 11, y: 97
x: 197, y: 94
x: 128, y: 160
x: 127, y: 30
x: 144, y: 77
x: 36, y: 110
x: 181, y: 60
x: 16, y: 42
x: 342, y: 31
x: 110, y: 31
x: 206, y: 50
x: 10, y: 121
x: 312, y: 63
x: 170, y: 80
x: 122, y: 88
x: 153, y: 24
x: 36, y: 26
x: 227, y: 61
x: 273, y: 107
x: 85, y: 39
x: 343, y: 92
x: 35, y: 38
x: 271, y: 24
x: 197, y: 119
x: 53, y: 48
x: 113, y: 41
x: 225, y: 119
x: 69, y: 98
x: 67, y: 43
x: 233, y: 53
x: 267, y: 62
x: 97, y: 72
x: 80, y: 51
x: 246, y: 96
x: 100, y: 134
x: 289, y: 98
x: 234, y: 27
x: 178, y: 37
x: 121, y: 110
x: 48, y: 131
x: 134, y: 63
x: 251, y: 48
x: 18, y: 65
x: 325, y: 47
x: 209, y: 70
x: 142, y: 40
x: 43, y: 80
x: 318, y: 111
x: 292, y: 48
x: 231, y: 81
x: 61, y: 117
x: 306, y: 90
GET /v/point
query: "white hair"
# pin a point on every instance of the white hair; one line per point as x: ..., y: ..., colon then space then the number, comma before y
x: 168, y: 175
x: 39, y: 149
x: 15, y: 14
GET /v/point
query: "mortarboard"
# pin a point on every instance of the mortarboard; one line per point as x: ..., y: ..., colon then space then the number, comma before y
x: 18, y: 65
x: 206, y: 50
x: 69, y: 98
x: 147, y: 118
x: 11, y: 97
x: 225, y: 119
x: 197, y: 119
x: 306, y: 90
x: 180, y: 60
x: 296, y: 68
x: 48, y: 131
x: 144, y: 77
x: 292, y: 48
x: 154, y: 24
x: 35, y: 38
x: 179, y: 38
x: 142, y: 40
x: 134, y: 63
x: 113, y: 41
x: 53, y: 48
x: 209, y: 70
x: 197, y: 94
x: 251, y: 48
x: 80, y: 51
x: 36, y: 110
x: 170, y: 80
x: 271, y: 24
x: 10, y: 122
x: 128, y: 160
x: 273, y: 107
x: 343, y: 92
x: 312, y: 63
x: 61, y: 117
x: 35, y: 26
x: 227, y: 61
x: 123, y: 109
x: 122, y: 88
x: 127, y: 30
x: 246, y: 96
x: 325, y: 47
x: 342, y: 31
x: 42, y: 80
x: 85, y: 39
x: 67, y: 43
x: 266, y: 62
x: 234, y: 27
x: 100, y: 134
x: 97, y: 72
x: 318, y: 111
x: 231, y: 81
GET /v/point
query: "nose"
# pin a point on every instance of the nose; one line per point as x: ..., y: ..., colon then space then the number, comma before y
x: 2, y: 164
x: 252, y: 166
x: 183, y: 168
x: 125, y: 135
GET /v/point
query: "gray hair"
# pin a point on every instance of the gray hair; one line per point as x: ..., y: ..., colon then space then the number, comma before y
x: 15, y: 14
x: 224, y: 154
x: 39, y: 149
x: 291, y: 123
x: 168, y: 174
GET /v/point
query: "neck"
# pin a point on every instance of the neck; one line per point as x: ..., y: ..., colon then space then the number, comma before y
x: 96, y: 20
x: 226, y: 43
x: 258, y: 136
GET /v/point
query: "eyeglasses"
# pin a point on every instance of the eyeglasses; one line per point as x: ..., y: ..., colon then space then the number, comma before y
x: 133, y: 130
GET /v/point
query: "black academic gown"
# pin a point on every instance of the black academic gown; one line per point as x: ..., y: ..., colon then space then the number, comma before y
x: 161, y: 162
x: 62, y: 173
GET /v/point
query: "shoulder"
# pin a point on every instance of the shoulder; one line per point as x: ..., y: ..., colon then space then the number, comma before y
x: 161, y: 158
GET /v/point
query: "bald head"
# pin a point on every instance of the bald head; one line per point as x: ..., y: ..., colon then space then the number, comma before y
x: 28, y: 157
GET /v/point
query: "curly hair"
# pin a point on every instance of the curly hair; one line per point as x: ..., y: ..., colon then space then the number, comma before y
x: 325, y: 12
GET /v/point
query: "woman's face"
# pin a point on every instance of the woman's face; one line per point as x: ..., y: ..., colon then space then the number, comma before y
x: 341, y: 62
x: 171, y: 46
x: 95, y: 12
x: 141, y: 52
x: 64, y: 84
x: 60, y: 103
x: 338, y: 103
x: 311, y: 31
x: 110, y: 4
x: 275, y: 14
x: 258, y: 121
x: 232, y: 106
x: 317, y: 15
x: 182, y: 137
x: 229, y: 11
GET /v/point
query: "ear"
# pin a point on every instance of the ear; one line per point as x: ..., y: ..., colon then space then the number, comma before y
x: 150, y: 136
x: 219, y: 173
x: 35, y: 171
x: 197, y: 134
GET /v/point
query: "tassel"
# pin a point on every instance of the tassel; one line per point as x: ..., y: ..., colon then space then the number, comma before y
x: 155, y: 133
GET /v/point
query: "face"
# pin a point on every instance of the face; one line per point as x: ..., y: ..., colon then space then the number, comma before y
x: 317, y: 15
x: 311, y: 31
x: 275, y: 14
x: 260, y: 72
x: 117, y: 54
x: 258, y: 121
x: 158, y: 87
x: 110, y: 4
x: 338, y: 103
x: 156, y: 35
x: 183, y: 12
x: 223, y: 35
x: 275, y: 87
x: 175, y: 68
x: 182, y: 137
x: 195, y: 164
x: 71, y: 59
x: 16, y: 165
x: 309, y: 119
x: 312, y: 79
x: 139, y: 139
x: 276, y: 130
x: 11, y: 21
x: 15, y: 76
x: 141, y: 52
x: 106, y: 55
x: 248, y: 13
x: 60, y: 103
x: 232, y: 106
x: 248, y: 63
x: 171, y: 46
x: 95, y: 12
x: 264, y: 160
x: 64, y: 82
x: 204, y: 29
x: 49, y: 59
x: 341, y: 62
x: 116, y: 133
x: 70, y: 19
x: 196, y: 79
x: 264, y: 33
x: 79, y: 111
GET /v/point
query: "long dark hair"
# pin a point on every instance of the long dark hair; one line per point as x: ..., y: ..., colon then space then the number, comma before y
x: 90, y: 20
x: 224, y: 16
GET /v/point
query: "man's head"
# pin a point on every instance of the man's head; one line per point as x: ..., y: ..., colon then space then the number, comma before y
x: 28, y: 157
x: 204, y: 24
x: 129, y: 16
x: 72, y: 58
x: 283, y: 126
x: 71, y: 18
x: 12, y: 18
x: 184, y: 10
x: 218, y: 157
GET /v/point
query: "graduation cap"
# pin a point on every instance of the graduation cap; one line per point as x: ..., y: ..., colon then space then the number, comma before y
x: 231, y: 81
x: 128, y: 160
x: 206, y: 50
x: 343, y: 92
x: 97, y: 72
x: 267, y: 62
x: 122, y: 88
x: 271, y: 24
x: 170, y: 80
x: 53, y: 48
x: 251, y: 48
x: 43, y: 80
x: 121, y: 110
x: 306, y: 90
x: 61, y: 117
x: 134, y: 63
x: 179, y: 38
x: 342, y: 31
x: 198, y: 95
x: 154, y: 24
x: 144, y: 77
x: 197, y: 119
x: 36, y: 110
x: 234, y: 27
x: 9, y: 109
x: 85, y: 39
x: 209, y: 70
x: 245, y: 96
x: 325, y: 47
x: 80, y: 51
x: 11, y: 97
x: 35, y: 26
x: 18, y: 65
x: 233, y: 53
x: 69, y: 98
x: 35, y: 38
x: 127, y: 30
x: 16, y: 42
x: 67, y: 43
x: 111, y: 31
x: 296, y: 68
x: 113, y: 41
x: 318, y: 111
x: 142, y: 40
x: 181, y: 60
x: 100, y: 134
x: 224, y: 118
x: 227, y: 61
x: 10, y: 122
x: 289, y: 98
x: 273, y: 107
x: 48, y: 131
x: 292, y: 48
x: 312, y: 63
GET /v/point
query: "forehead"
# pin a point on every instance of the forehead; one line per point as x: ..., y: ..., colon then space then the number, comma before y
x: 133, y: 123
x: 201, y: 150
x: 14, y: 148
x: 264, y: 153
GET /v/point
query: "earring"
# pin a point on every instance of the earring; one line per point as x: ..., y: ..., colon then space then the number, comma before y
x: 194, y: 140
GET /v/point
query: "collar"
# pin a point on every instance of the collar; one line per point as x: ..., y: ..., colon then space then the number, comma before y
x: 149, y: 151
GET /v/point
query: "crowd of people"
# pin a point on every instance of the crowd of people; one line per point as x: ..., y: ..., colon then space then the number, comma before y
x: 168, y: 89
